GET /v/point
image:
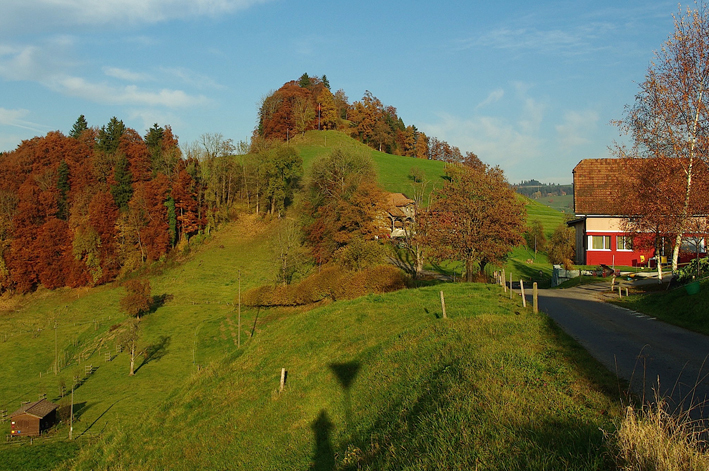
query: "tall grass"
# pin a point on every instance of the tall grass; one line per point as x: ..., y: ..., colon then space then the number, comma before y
x: 652, y: 438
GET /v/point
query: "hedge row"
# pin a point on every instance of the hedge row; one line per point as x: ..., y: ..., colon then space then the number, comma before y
x: 333, y: 283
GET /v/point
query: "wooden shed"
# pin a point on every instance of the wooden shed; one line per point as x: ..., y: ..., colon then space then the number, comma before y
x: 33, y: 418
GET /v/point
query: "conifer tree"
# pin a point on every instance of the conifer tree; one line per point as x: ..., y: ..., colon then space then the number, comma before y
x: 80, y: 126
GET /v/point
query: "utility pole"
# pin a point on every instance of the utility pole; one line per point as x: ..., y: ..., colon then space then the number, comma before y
x: 56, y: 351
x: 71, y: 412
x: 238, y: 341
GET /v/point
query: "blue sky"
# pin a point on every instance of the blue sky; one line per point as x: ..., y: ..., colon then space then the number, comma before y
x: 529, y: 86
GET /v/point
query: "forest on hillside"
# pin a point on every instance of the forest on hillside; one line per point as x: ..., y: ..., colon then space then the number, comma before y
x: 85, y: 208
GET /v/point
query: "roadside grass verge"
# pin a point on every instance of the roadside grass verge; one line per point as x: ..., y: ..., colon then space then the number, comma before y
x: 675, y: 306
x: 382, y: 382
x: 651, y: 438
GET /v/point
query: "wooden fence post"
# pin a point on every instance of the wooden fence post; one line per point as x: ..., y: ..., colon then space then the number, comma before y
x: 443, y: 306
x: 626, y: 292
x: 620, y: 293
x: 504, y: 281
x: 521, y: 290
x: 510, y: 285
x: 283, y: 380
x: 535, y: 297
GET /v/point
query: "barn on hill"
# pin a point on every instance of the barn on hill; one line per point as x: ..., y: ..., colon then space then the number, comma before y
x: 33, y: 418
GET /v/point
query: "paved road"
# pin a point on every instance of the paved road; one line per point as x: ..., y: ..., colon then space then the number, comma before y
x: 633, y: 345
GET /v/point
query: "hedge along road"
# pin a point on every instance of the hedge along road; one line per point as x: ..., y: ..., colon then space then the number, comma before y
x: 638, y: 348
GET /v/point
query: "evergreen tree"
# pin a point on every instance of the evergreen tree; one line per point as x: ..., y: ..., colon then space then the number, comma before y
x: 304, y: 81
x: 110, y: 135
x: 326, y: 82
x: 123, y: 189
x: 79, y: 126
x: 153, y: 138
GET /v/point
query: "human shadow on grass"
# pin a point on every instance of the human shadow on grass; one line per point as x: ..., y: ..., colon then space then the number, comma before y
x: 156, y: 351
x: 324, y: 456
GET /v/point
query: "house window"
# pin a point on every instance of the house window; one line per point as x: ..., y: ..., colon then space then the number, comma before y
x: 600, y: 242
x: 624, y: 242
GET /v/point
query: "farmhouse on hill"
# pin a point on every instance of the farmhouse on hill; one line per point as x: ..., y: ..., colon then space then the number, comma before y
x: 33, y: 418
x: 401, y: 211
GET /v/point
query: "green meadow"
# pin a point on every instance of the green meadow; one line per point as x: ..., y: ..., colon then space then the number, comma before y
x: 379, y: 382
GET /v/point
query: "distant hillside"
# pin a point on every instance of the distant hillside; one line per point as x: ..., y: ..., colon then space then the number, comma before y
x: 554, y: 195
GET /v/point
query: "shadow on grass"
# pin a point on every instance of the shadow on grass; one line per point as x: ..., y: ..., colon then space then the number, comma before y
x: 346, y: 373
x: 156, y: 351
x: 324, y: 457
x: 159, y: 301
x: 98, y: 418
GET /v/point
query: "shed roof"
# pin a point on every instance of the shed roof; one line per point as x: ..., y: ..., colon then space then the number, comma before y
x: 599, y: 184
x: 39, y: 409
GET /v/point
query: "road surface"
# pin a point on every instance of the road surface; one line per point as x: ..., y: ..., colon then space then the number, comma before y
x: 636, y: 347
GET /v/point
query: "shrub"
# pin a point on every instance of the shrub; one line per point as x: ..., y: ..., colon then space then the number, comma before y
x: 331, y: 283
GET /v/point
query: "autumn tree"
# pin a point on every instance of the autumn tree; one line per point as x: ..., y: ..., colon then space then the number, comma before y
x: 561, y: 246
x: 475, y: 218
x: 344, y: 202
x: 129, y: 340
x: 288, y: 251
x: 413, y: 241
x: 670, y: 116
x: 138, y: 299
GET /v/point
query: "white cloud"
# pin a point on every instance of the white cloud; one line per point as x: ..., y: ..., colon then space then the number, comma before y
x: 16, y: 14
x: 126, y: 75
x: 127, y: 95
x: 496, y: 141
x: 48, y: 65
x: 575, y: 129
x: 193, y: 79
x: 15, y: 118
x: 493, y: 97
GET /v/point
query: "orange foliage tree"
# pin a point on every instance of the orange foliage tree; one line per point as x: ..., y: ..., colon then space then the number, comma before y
x: 475, y: 218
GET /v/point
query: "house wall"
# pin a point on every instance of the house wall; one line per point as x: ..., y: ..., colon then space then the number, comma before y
x: 25, y: 425
x: 611, y: 254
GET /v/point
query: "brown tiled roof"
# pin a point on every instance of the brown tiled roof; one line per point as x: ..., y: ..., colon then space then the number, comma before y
x: 398, y: 200
x: 599, y: 185
x: 38, y: 408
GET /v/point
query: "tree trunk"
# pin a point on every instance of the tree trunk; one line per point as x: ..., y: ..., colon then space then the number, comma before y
x: 470, y: 270
x: 132, y: 359
x: 658, y: 259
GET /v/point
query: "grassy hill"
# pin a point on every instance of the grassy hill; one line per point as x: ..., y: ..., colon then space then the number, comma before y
x: 380, y: 382
x: 392, y: 170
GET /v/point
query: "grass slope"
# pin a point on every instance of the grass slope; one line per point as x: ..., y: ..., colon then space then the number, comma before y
x: 382, y: 382
x: 196, y: 325
x: 392, y: 170
x: 675, y: 307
